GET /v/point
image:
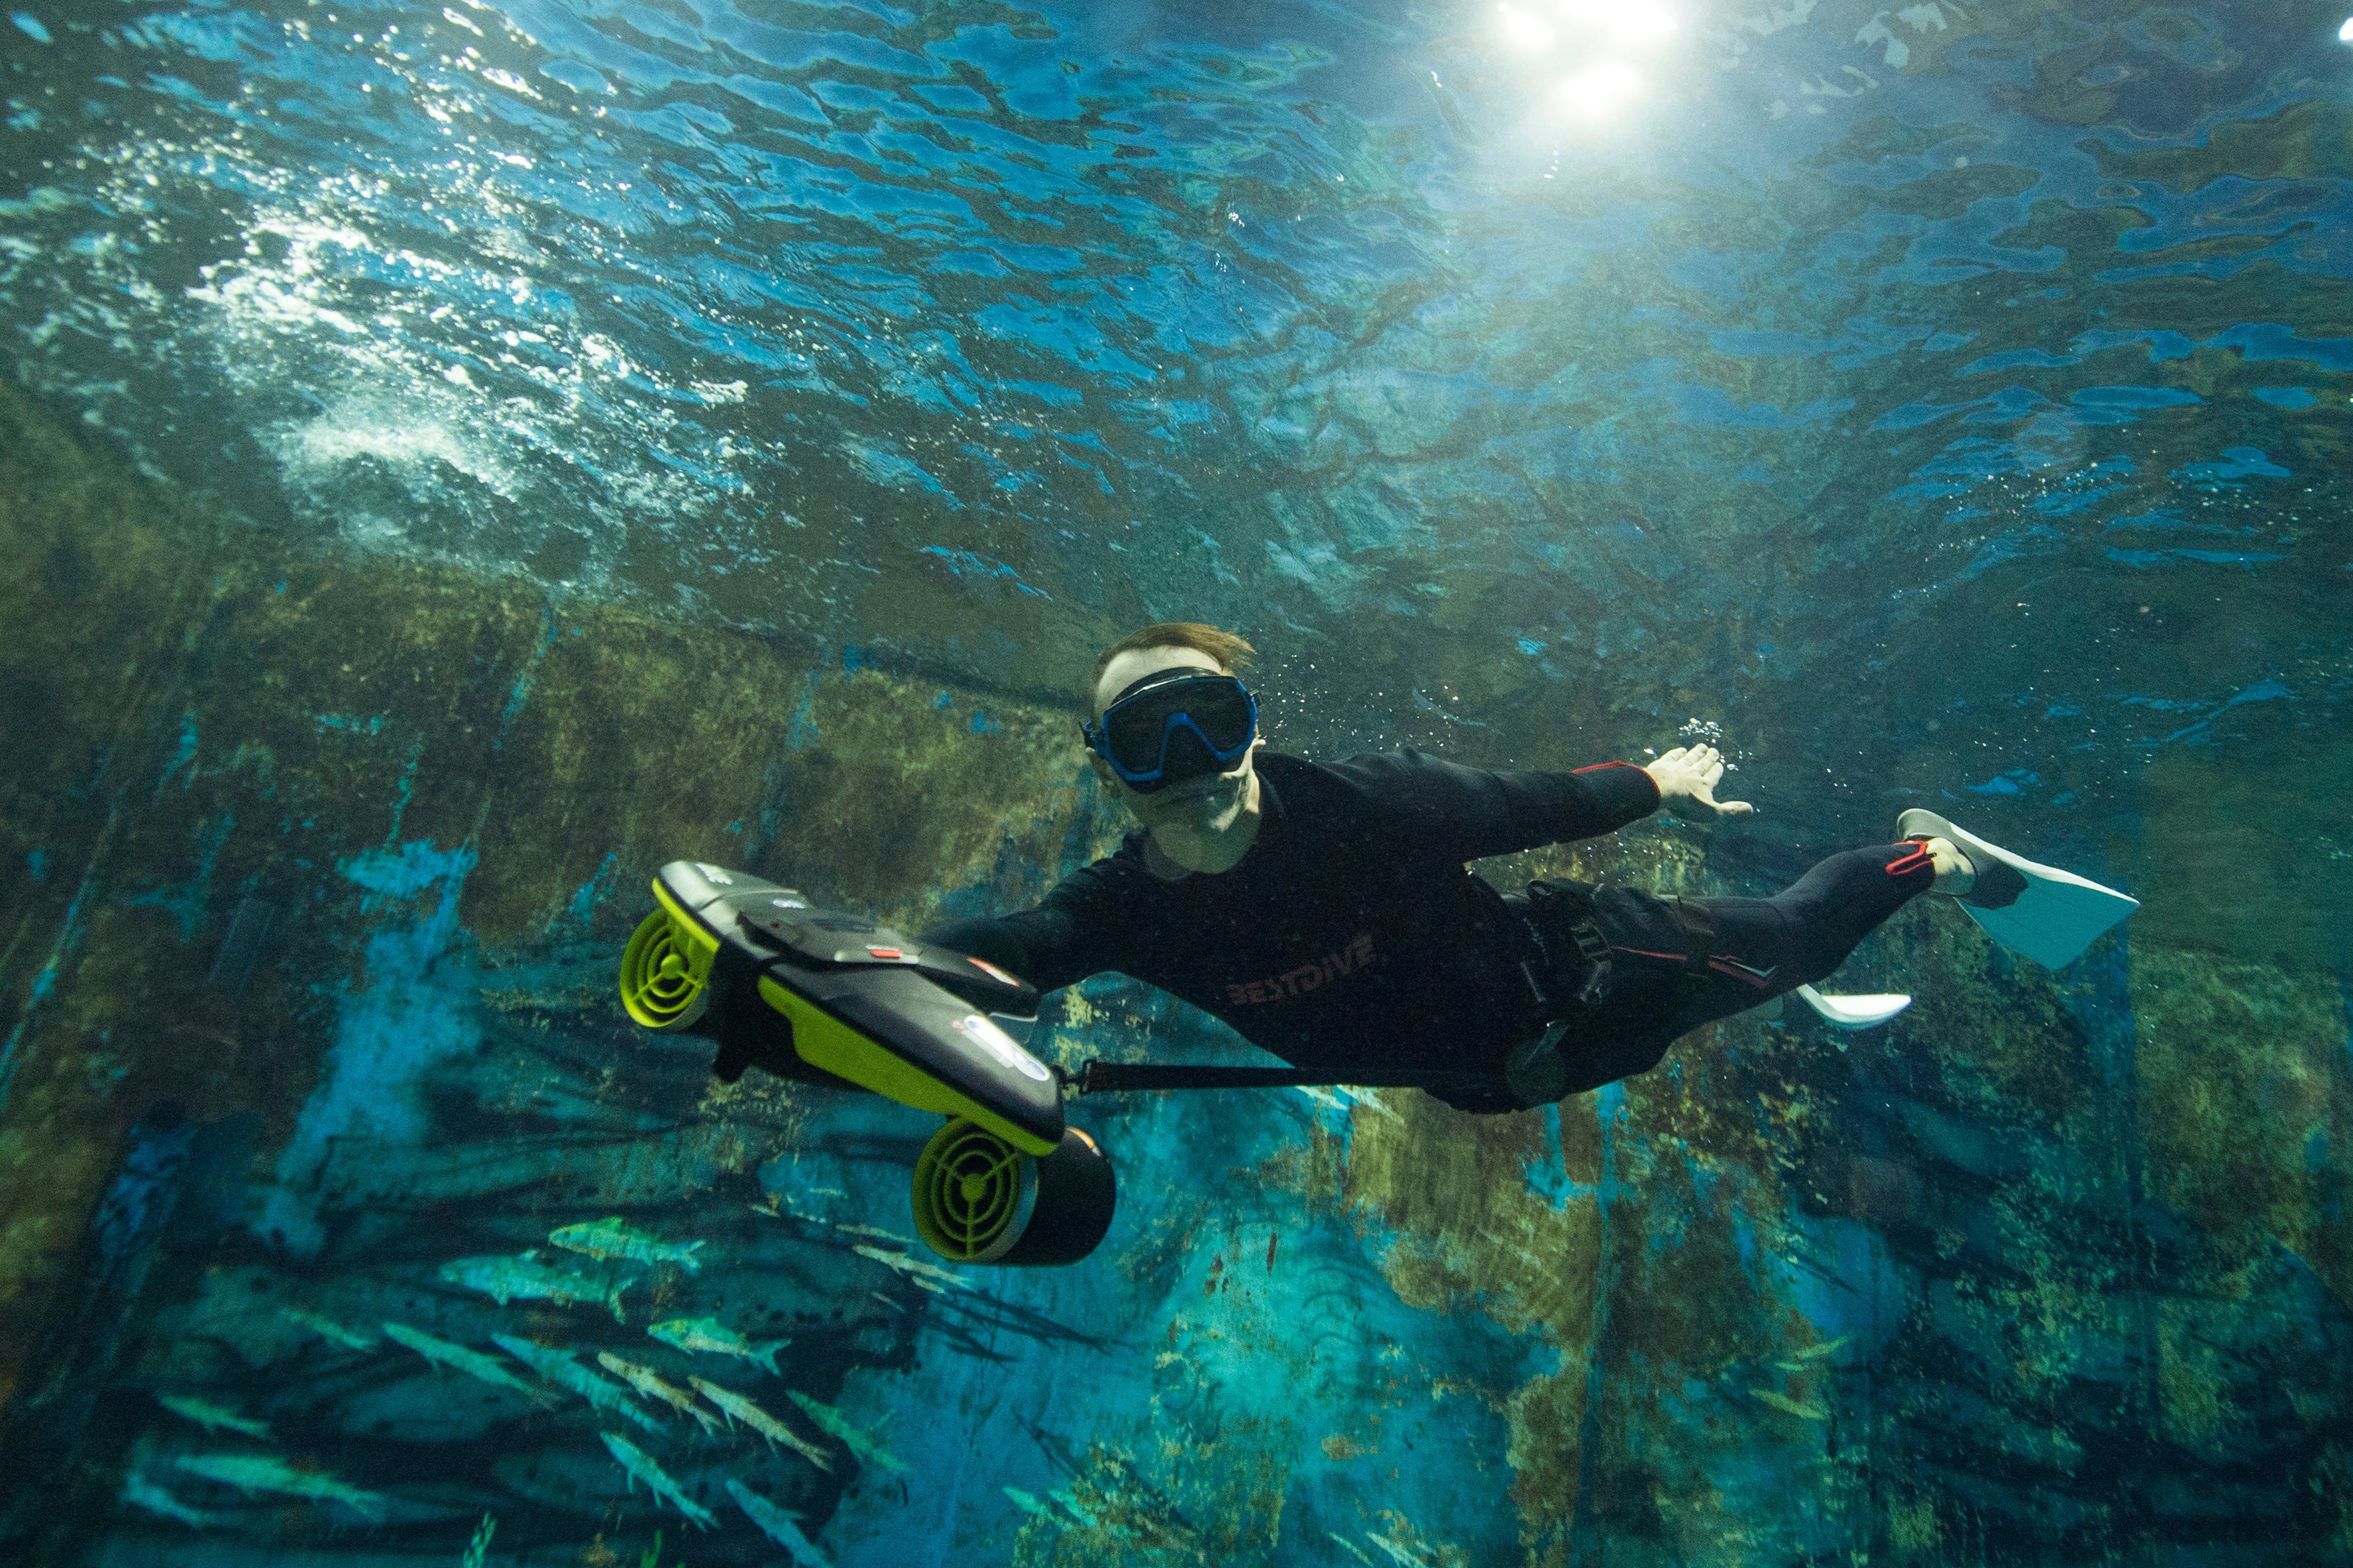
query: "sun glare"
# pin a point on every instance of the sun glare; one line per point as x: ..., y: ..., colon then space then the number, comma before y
x: 1599, y: 89
x: 1627, y: 21
x: 1528, y: 32
x: 1640, y: 26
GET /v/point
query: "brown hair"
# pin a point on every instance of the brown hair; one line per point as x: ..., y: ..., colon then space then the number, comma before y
x: 1233, y: 654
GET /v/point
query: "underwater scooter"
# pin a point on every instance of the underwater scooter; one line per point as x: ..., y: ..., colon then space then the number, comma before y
x: 824, y: 996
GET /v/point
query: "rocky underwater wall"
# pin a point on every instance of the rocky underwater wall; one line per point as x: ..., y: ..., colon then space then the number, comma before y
x: 314, y: 871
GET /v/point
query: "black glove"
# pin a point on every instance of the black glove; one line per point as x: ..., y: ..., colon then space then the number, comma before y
x: 767, y: 1046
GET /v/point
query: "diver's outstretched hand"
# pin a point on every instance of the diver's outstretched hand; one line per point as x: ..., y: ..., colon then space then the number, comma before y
x: 1686, y: 778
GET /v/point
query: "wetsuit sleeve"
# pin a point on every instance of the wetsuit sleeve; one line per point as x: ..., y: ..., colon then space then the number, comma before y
x: 1471, y: 813
x: 1585, y: 803
x: 1077, y: 930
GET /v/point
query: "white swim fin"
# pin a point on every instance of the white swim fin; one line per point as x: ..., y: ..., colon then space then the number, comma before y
x: 1852, y: 1012
x: 2039, y: 911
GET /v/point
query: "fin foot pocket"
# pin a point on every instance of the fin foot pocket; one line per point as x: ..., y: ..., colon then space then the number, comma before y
x: 1997, y: 886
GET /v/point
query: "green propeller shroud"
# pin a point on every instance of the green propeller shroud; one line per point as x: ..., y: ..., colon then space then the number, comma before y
x: 978, y: 1199
x: 969, y: 1189
x: 665, y: 972
x: 827, y: 996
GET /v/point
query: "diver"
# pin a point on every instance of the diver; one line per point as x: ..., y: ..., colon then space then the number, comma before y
x: 1326, y: 911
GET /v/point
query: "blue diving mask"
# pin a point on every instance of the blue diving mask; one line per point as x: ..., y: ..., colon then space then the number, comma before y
x: 1174, y: 725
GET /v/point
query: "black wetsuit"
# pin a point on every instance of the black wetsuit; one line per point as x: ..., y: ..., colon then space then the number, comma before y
x: 1353, y: 936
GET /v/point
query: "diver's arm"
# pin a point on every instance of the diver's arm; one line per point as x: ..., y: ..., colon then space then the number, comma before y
x: 1471, y: 813
x: 1040, y: 946
x: 1076, y: 931
x: 1560, y: 808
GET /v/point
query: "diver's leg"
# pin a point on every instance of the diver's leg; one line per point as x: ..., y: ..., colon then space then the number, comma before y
x: 1758, y: 949
x: 1682, y: 964
x: 1844, y: 899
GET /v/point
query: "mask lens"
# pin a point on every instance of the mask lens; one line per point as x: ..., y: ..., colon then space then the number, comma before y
x: 1135, y: 728
x: 1223, y: 712
x: 1134, y: 737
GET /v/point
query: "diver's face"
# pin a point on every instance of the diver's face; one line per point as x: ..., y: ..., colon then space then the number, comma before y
x: 1210, y: 803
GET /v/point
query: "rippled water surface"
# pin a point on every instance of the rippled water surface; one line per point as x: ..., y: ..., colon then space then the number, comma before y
x: 904, y: 325
x: 1939, y: 403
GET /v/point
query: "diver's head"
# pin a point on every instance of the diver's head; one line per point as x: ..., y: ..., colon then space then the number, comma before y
x: 1173, y: 727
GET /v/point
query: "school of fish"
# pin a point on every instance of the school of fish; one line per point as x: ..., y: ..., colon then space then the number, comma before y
x: 525, y: 1276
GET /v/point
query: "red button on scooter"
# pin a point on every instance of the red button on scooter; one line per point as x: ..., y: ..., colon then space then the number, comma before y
x: 884, y: 953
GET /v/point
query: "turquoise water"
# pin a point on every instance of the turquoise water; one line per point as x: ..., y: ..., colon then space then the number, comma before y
x: 1937, y: 404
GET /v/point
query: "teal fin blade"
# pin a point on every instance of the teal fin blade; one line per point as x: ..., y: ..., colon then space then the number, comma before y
x: 2054, y: 920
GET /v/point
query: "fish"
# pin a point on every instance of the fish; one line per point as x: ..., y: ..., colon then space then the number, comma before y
x: 211, y: 1416
x: 779, y: 1526
x: 473, y: 1364
x: 736, y: 1407
x: 1402, y: 1555
x: 777, y: 1208
x: 606, y: 1239
x: 559, y: 1368
x: 639, y: 1468
x: 839, y: 1425
x: 523, y: 1277
x: 252, y: 1473
x: 141, y: 1492
x: 1815, y: 1353
x: 478, y: 1551
x: 915, y: 1268
x: 1788, y: 1405
x: 649, y: 1382
x: 1078, y: 1510
x: 328, y: 1329
x: 710, y: 1334
x: 1030, y: 1505
x: 874, y: 1231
